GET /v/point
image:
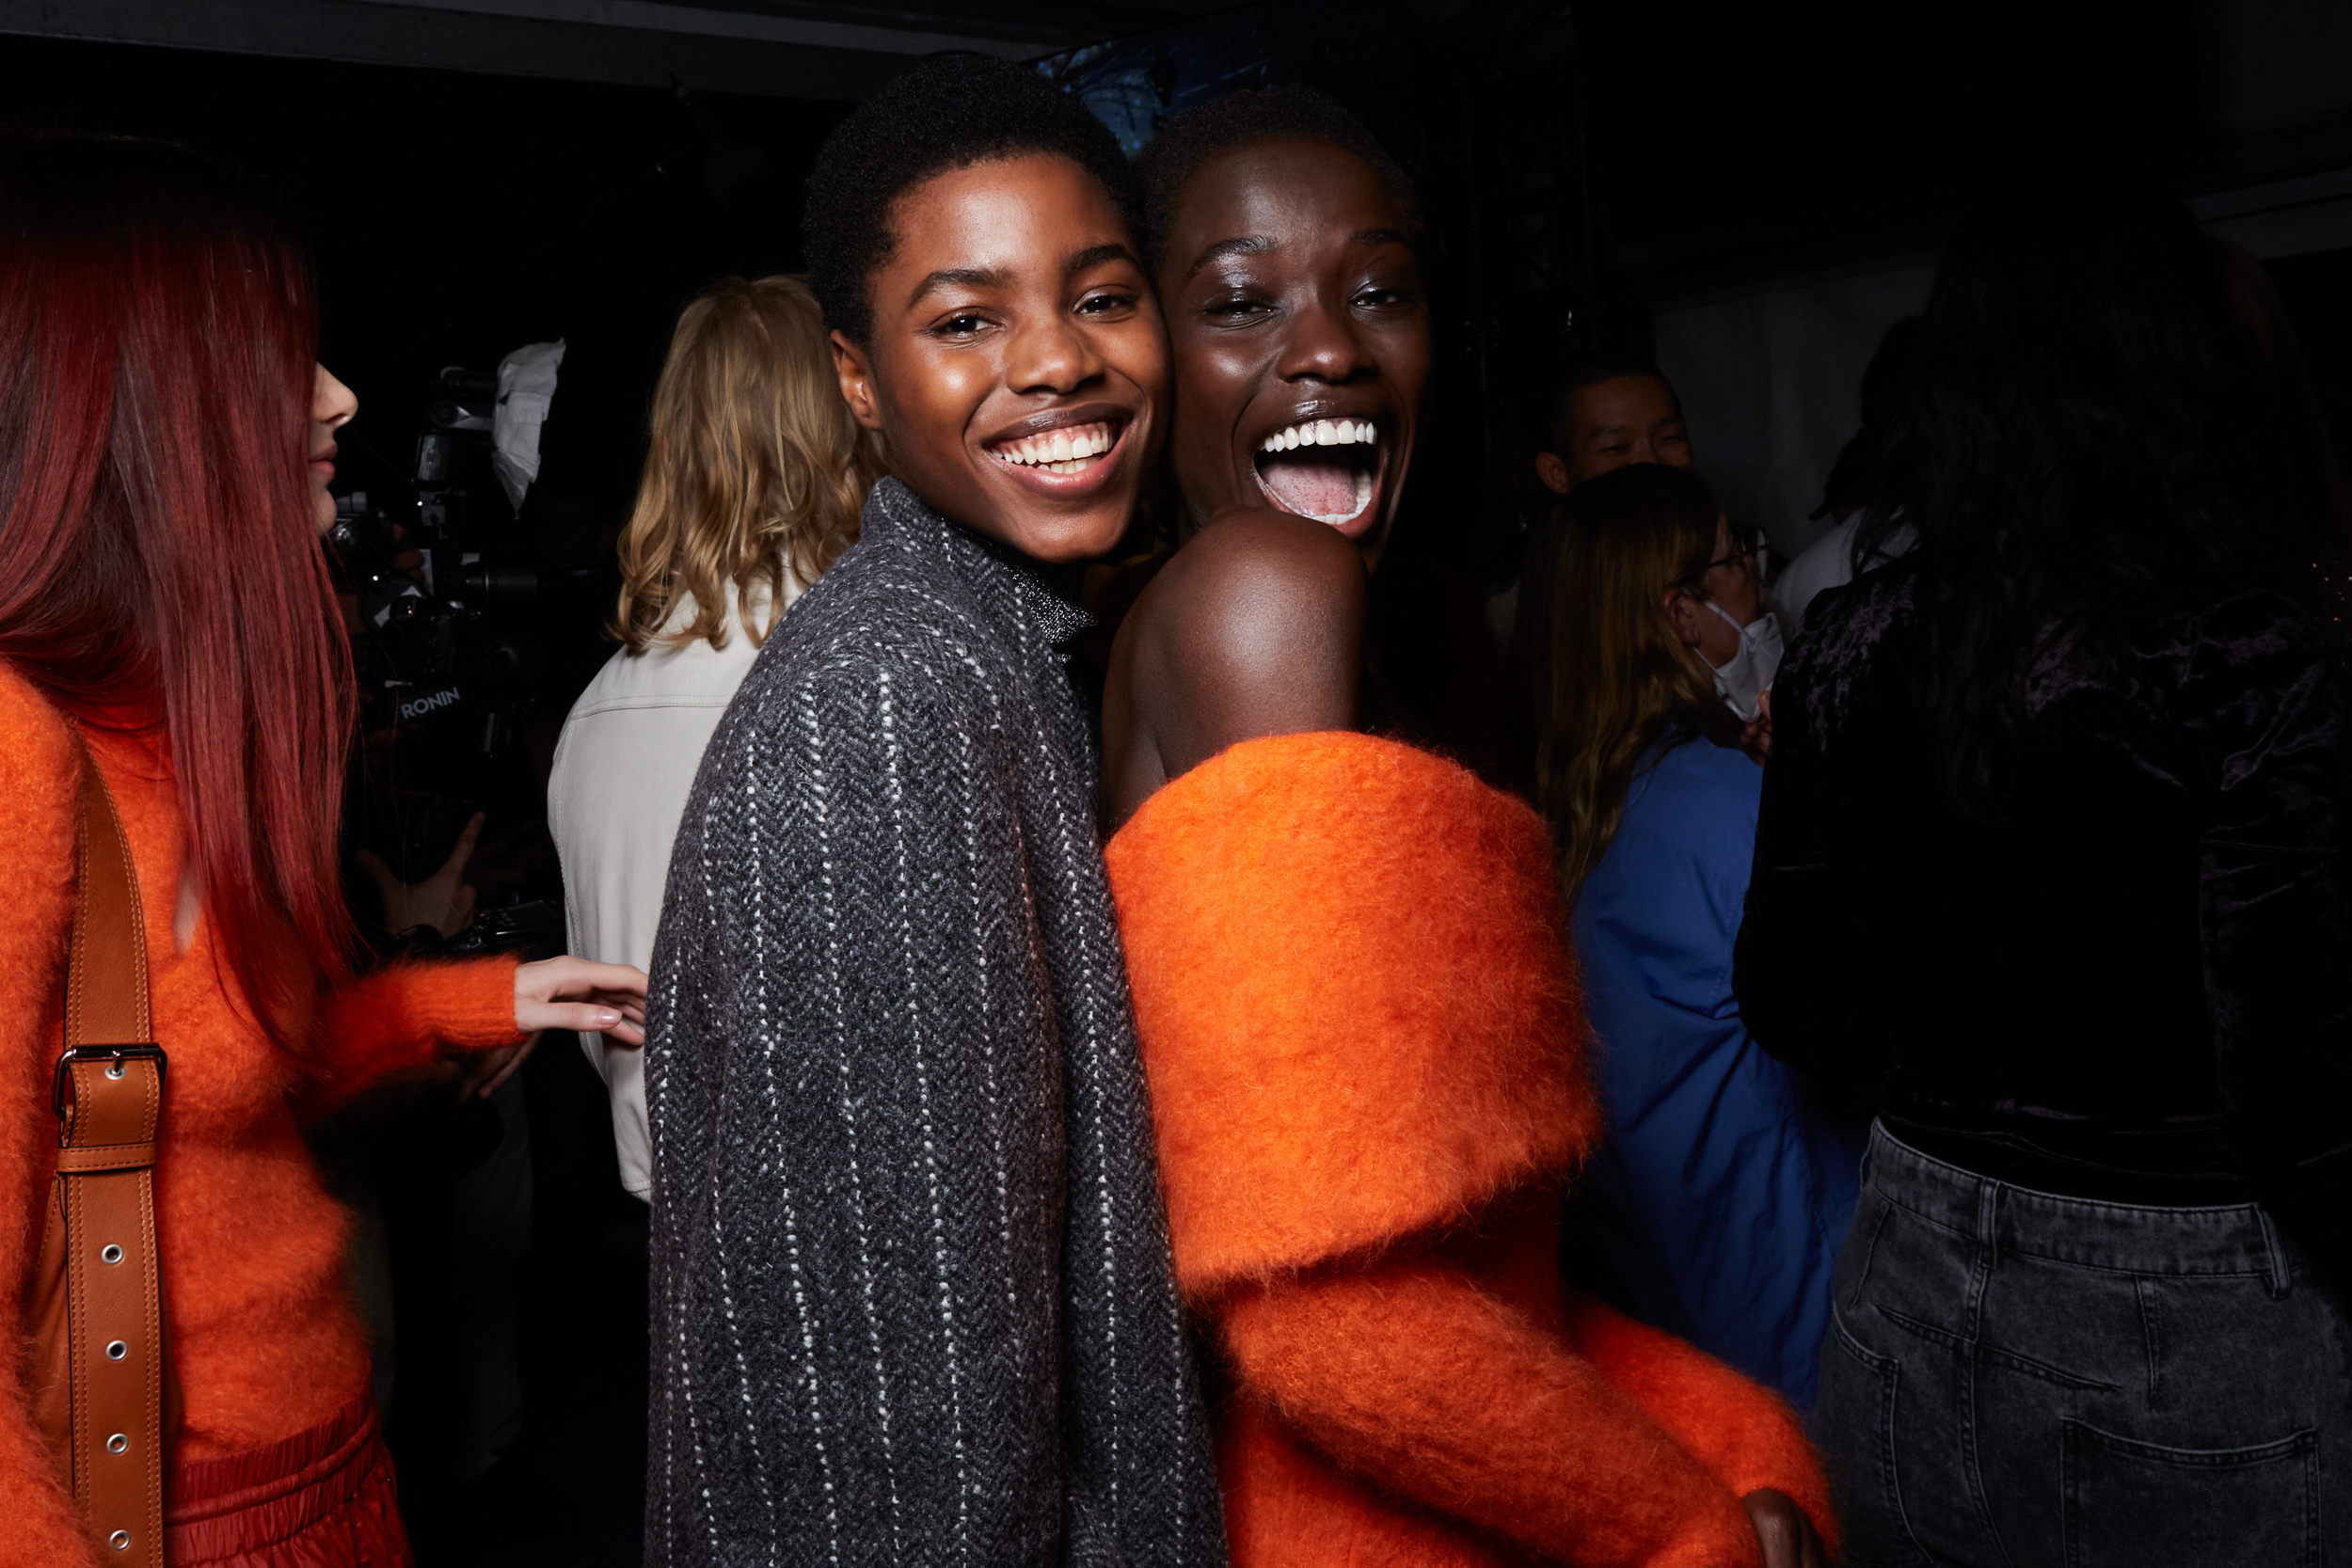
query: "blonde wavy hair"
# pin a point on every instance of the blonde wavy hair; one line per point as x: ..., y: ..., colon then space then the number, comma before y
x: 1611, y: 681
x: 755, y: 469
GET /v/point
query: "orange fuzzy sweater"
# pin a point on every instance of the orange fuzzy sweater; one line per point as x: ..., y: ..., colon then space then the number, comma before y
x: 263, y: 1335
x: 1365, y: 1053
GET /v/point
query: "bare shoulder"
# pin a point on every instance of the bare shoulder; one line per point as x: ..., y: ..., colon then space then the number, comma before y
x: 1254, y: 583
x: 1254, y: 628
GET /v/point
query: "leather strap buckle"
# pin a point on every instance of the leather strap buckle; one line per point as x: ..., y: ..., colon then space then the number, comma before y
x: 114, y: 1055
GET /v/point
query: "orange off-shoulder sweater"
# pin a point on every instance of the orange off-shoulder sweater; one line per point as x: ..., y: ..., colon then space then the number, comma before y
x: 1365, y: 1053
x: 262, y: 1335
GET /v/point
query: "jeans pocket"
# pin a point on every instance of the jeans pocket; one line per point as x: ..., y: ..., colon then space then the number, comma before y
x: 2130, y: 1503
x: 1853, y: 1426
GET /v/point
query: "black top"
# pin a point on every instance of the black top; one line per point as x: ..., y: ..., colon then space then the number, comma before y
x: 2135, y: 984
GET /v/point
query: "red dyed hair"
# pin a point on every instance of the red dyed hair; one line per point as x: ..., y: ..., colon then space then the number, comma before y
x: 158, y: 553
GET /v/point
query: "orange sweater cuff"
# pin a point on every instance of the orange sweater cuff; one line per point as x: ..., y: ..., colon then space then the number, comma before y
x: 468, y: 1004
x: 1739, y: 1430
x: 404, y: 1017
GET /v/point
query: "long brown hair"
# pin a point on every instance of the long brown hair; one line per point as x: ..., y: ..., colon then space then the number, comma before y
x: 2089, y: 451
x: 158, y: 552
x: 755, y: 470
x: 1613, y: 682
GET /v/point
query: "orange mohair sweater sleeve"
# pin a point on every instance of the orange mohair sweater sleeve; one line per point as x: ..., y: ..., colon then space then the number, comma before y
x: 402, y: 1017
x: 1741, y: 1431
x: 1358, y: 1015
x: 1362, y: 1034
x: 1405, y: 1373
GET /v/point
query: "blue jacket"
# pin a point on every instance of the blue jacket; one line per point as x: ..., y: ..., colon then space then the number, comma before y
x: 1720, y: 1199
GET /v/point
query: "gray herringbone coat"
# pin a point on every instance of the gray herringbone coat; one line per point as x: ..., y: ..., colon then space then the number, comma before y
x: 910, y: 1295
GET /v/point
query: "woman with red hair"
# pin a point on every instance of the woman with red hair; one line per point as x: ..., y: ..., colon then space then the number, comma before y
x: 166, y: 618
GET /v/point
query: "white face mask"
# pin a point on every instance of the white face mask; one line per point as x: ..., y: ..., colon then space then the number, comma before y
x: 1749, y: 673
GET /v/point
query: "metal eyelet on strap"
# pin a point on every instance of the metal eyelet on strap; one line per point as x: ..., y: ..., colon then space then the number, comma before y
x: 117, y: 1350
x: 110, y: 1254
x: 114, y: 1068
x: 117, y: 1443
x: 119, y: 1540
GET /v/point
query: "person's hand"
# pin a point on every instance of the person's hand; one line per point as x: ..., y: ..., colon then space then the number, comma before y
x: 442, y: 900
x: 1785, y: 1534
x: 492, y: 1069
x: 591, y: 999
x: 563, y: 993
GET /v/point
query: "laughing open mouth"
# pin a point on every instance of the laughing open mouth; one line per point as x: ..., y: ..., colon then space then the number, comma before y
x: 1328, y: 469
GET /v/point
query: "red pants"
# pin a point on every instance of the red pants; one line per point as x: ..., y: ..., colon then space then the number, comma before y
x: 323, y: 1498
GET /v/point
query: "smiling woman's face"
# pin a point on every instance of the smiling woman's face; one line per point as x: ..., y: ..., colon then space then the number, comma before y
x: 1017, y: 367
x: 1300, y: 337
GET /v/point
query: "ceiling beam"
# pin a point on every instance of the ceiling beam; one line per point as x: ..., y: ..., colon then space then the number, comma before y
x: 632, y: 42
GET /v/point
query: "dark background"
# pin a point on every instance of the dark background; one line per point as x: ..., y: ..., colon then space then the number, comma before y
x: 1580, y: 165
x: 456, y: 217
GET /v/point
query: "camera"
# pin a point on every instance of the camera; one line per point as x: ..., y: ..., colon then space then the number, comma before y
x: 442, y: 615
x: 439, y: 585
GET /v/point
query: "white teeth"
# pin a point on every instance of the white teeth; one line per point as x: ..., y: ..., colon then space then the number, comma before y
x: 1059, y: 451
x: 1322, y: 433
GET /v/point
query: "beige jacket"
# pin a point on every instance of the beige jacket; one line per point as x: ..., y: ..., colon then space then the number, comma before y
x: 623, y: 767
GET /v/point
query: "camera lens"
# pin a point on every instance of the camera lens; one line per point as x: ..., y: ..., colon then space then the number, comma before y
x: 487, y: 585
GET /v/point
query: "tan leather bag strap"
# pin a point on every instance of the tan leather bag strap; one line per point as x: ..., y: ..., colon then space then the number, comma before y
x: 109, y: 1097
x: 106, y: 990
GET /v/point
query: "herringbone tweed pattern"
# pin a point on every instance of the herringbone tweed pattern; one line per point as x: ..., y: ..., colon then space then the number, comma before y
x: 911, y: 1292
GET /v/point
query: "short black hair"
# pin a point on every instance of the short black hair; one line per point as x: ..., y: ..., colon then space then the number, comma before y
x: 1591, y: 370
x: 1283, y: 112
x: 949, y: 112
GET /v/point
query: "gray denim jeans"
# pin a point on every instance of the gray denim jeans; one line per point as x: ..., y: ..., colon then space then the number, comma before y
x: 2014, y: 1379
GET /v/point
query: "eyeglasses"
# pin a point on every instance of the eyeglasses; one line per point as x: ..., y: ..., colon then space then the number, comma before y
x: 1747, y: 546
